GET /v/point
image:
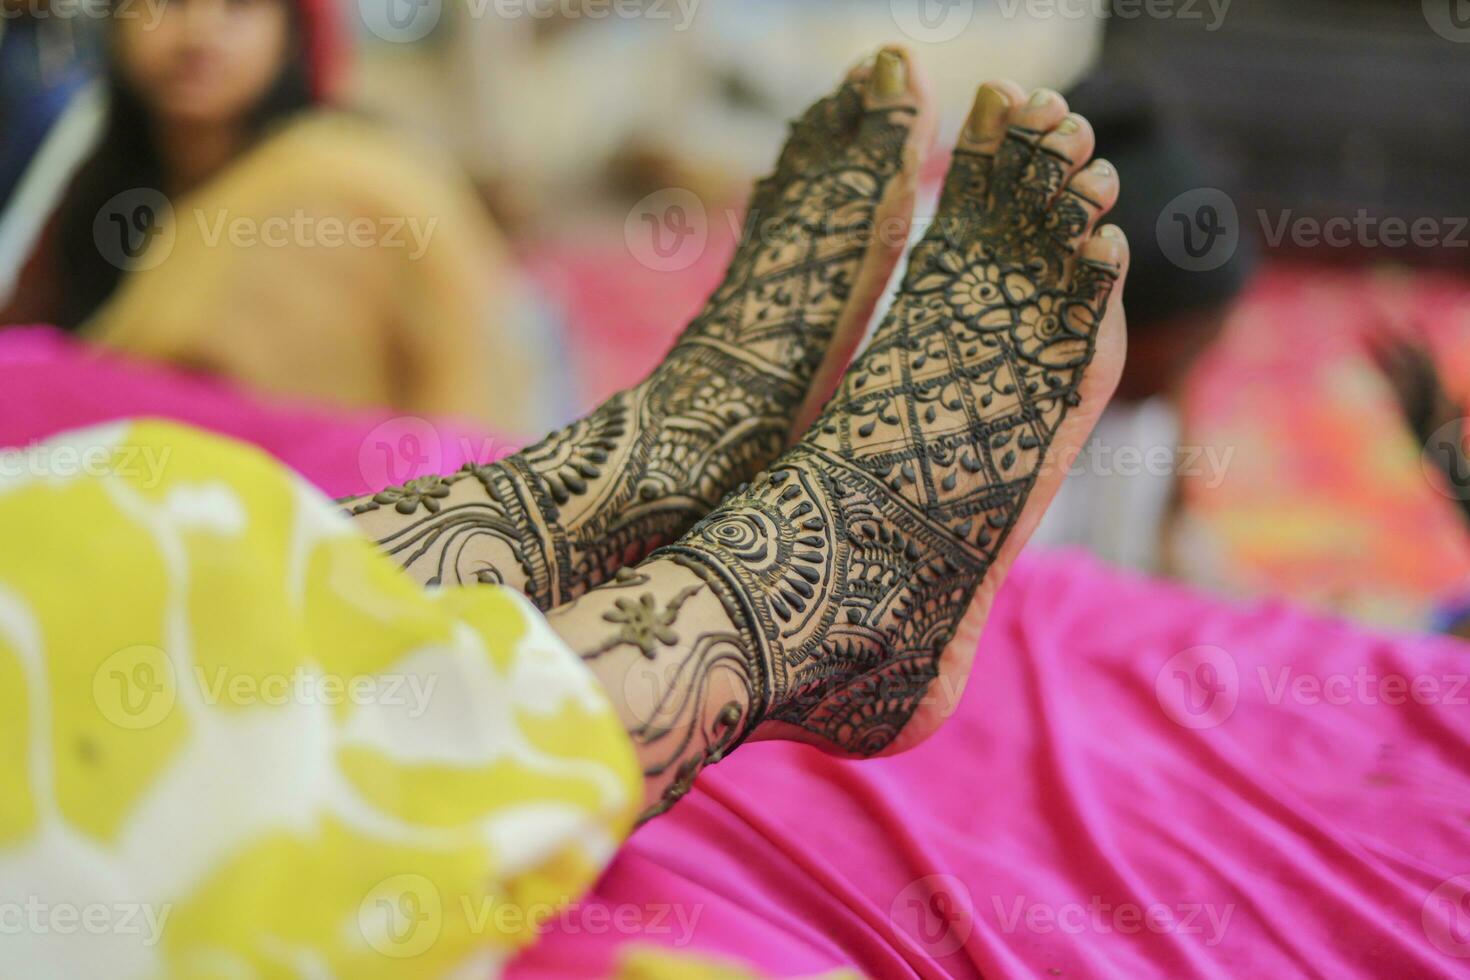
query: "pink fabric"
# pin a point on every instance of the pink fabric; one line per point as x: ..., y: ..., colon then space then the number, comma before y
x: 1284, y: 829
x: 49, y: 383
x: 1297, y: 831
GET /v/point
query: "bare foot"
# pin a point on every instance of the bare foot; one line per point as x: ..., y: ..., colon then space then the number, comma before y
x: 567, y: 513
x: 839, y: 598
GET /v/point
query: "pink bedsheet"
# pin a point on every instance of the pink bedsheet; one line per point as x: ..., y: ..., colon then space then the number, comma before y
x: 1139, y: 781
x: 49, y: 383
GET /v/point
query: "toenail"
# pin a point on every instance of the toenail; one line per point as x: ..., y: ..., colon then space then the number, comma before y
x: 1102, y: 168
x: 1112, y: 232
x: 988, y: 117
x: 1068, y: 126
x: 890, y: 76
x: 1040, y: 97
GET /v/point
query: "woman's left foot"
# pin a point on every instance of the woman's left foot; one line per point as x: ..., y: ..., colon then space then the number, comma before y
x: 823, y: 235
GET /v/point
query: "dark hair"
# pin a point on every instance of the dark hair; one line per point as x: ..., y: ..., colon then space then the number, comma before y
x: 1157, y: 159
x: 127, y: 158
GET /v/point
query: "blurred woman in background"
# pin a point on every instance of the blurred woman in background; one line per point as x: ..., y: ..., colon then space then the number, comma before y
x: 229, y: 222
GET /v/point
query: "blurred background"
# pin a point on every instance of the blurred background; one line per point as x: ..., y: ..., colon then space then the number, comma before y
x: 501, y: 211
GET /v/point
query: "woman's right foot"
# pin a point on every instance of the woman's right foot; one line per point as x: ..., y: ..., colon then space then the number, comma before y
x: 824, y: 233
x: 824, y: 601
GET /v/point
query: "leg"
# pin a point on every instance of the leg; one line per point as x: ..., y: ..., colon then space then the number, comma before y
x: 565, y: 514
x: 824, y: 601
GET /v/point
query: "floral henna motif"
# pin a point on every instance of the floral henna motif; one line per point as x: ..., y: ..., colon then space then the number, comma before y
x: 567, y: 513
x: 852, y: 561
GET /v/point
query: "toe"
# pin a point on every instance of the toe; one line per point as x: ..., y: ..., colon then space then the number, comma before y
x: 1040, y: 113
x: 1097, y: 278
x: 1107, y: 249
x: 1070, y: 140
x: 896, y: 90
x: 989, y: 116
x: 1027, y: 177
x: 1090, y: 194
x: 968, y: 184
x: 889, y: 81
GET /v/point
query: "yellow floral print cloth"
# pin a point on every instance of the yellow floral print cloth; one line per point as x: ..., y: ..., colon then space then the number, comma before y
x: 236, y: 742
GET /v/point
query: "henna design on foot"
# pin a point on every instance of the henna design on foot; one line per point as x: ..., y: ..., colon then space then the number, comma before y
x: 851, y: 564
x: 565, y: 514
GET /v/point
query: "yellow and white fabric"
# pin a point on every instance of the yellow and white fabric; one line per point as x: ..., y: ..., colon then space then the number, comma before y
x: 236, y: 742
